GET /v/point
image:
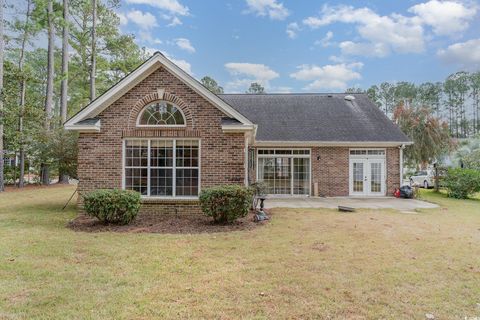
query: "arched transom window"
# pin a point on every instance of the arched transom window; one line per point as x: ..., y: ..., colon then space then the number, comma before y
x: 161, y: 113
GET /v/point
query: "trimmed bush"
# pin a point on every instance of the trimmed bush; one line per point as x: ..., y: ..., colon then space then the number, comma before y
x: 462, y: 183
x: 226, y: 204
x: 112, y: 205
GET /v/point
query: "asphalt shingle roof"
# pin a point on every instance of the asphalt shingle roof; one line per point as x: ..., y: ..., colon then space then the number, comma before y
x: 315, y: 117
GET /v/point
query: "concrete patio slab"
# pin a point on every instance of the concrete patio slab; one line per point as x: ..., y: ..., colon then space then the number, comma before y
x: 355, y: 202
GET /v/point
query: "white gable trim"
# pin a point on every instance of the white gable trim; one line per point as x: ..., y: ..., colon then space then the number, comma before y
x: 131, y: 80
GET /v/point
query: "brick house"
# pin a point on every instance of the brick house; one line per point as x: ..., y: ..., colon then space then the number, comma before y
x: 160, y: 132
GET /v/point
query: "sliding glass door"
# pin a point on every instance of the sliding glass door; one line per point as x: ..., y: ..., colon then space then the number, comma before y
x: 285, y: 172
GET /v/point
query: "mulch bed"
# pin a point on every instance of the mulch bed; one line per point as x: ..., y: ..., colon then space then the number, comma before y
x: 165, y: 223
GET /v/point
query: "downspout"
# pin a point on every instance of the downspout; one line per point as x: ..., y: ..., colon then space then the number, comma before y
x: 401, y: 163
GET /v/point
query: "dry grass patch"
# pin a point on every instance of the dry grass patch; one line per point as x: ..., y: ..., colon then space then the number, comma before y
x: 303, y: 264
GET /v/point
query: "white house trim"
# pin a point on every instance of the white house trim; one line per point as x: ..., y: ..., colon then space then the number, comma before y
x: 84, y: 127
x: 237, y: 128
x: 378, y: 144
x: 147, y: 68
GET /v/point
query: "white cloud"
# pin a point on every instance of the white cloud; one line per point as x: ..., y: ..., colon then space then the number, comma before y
x: 364, y: 49
x: 395, y: 32
x: 325, y: 41
x: 465, y: 54
x: 183, y: 64
x: 171, y: 6
x: 143, y: 20
x: 271, y: 8
x: 123, y: 19
x: 330, y: 77
x: 146, y: 36
x: 246, y: 73
x: 292, y: 30
x: 174, y: 22
x: 171, y: 9
x: 445, y: 17
x: 258, y: 71
x: 398, y: 33
x: 185, y: 44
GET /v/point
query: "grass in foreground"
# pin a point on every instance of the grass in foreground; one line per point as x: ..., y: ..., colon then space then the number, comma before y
x: 303, y: 264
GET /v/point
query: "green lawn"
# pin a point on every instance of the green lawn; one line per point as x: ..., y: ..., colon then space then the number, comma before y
x: 303, y: 264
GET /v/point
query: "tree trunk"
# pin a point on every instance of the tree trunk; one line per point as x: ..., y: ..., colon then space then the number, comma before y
x: 23, y: 86
x: 64, y: 84
x: 62, y: 177
x: 49, y: 94
x: 93, y: 59
x: 2, y: 182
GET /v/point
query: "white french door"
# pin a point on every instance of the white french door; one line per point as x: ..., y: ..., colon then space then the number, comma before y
x: 367, y: 177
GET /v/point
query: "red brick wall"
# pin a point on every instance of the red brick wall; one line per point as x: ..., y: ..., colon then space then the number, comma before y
x: 100, y: 154
x: 331, y: 170
x: 393, y: 170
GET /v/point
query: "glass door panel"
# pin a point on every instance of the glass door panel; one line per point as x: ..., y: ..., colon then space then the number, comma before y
x: 301, y: 176
x: 266, y: 173
x: 376, y: 176
x: 276, y: 174
x: 282, y: 176
x: 358, y: 175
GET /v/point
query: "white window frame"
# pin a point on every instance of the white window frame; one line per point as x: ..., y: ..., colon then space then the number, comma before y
x: 273, y: 155
x: 161, y: 125
x: 174, y: 167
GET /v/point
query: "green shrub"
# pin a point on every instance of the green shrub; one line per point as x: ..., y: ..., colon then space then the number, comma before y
x: 462, y: 183
x: 112, y: 205
x: 227, y: 203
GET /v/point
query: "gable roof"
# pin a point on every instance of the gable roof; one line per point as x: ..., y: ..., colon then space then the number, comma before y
x: 77, y: 122
x: 317, y: 118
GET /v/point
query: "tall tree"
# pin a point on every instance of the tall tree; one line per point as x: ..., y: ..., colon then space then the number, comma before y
x: 64, y: 83
x: 25, y: 30
x: 2, y: 180
x: 45, y: 175
x: 475, y: 95
x: 386, y: 93
x: 456, y: 90
x: 93, y: 54
x: 211, y: 85
x: 405, y: 93
x: 373, y: 94
x: 430, y: 94
x: 62, y: 176
x: 255, y: 88
x: 430, y: 135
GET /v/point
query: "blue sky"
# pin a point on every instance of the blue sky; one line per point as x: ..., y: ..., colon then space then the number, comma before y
x: 309, y: 46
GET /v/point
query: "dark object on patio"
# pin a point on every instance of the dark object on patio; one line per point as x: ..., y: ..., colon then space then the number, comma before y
x: 406, y: 192
x: 346, y: 209
x: 261, y: 215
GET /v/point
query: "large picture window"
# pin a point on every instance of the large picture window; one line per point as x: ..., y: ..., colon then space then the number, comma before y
x: 162, y: 168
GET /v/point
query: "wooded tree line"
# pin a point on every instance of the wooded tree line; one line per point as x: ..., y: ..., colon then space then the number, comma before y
x: 455, y: 100
x: 57, y: 56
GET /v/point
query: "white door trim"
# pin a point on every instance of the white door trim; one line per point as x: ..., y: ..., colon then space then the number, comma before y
x: 367, y: 160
